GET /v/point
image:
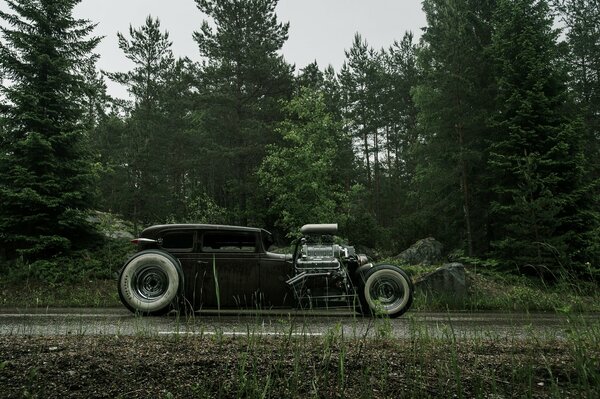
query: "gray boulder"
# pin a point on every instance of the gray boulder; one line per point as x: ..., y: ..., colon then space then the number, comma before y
x: 110, y: 225
x: 449, y: 281
x: 424, y: 252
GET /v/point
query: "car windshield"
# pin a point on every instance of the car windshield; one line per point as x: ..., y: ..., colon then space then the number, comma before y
x: 267, y: 239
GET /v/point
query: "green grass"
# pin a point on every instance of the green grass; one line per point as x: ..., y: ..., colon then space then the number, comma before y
x: 494, y: 291
x: 488, y: 291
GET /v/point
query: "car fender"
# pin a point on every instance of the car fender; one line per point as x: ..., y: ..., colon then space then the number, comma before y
x: 361, y: 271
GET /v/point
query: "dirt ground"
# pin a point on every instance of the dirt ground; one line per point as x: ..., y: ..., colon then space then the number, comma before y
x: 279, y: 367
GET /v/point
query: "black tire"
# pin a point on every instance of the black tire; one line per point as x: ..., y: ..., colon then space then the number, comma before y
x: 387, y: 291
x: 150, y: 283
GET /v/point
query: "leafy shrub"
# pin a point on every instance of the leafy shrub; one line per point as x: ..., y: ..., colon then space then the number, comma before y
x: 102, y: 262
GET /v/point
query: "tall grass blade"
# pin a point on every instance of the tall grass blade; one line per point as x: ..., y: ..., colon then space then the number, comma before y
x: 217, y: 291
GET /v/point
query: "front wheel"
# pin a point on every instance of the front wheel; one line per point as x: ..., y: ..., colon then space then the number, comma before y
x: 387, y: 291
x: 149, y: 283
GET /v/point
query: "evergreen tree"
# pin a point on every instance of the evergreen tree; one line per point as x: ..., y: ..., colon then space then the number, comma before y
x: 379, y: 114
x: 95, y: 101
x: 539, y: 216
x: 241, y: 84
x: 454, y: 100
x: 310, y: 77
x: 361, y: 80
x: 45, y: 174
x: 400, y: 112
x: 582, y: 20
x: 151, y: 152
x: 109, y: 143
x: 401, y: 139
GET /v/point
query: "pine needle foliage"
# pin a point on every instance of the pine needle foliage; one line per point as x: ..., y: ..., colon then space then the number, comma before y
x: 539, y: 210
x: 45, y: 175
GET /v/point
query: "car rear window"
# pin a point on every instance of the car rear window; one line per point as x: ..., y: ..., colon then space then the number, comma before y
x: 228, y: 241
x: 178, y: 240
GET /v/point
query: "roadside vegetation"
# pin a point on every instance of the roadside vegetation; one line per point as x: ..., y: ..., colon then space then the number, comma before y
x: 559, y: 364
x: 493, y: 291
x: 85, y: 278
x: 57, y: 284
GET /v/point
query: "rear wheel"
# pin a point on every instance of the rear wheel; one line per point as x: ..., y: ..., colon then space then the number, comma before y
x: 149, y: 283
x: 387, y: 291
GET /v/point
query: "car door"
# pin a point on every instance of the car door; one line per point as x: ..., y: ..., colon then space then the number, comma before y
x: 226, y: 269
x: 183, y: 245
x: 275, y: 270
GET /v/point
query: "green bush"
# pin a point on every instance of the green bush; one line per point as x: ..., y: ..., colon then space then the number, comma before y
x: 102, y: 262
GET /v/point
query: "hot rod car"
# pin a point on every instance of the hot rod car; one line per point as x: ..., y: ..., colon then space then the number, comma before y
x: 199, y: 266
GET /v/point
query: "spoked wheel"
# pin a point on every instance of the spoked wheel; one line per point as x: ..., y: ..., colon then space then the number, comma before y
x: 149, y: 283
x: 387, y: 291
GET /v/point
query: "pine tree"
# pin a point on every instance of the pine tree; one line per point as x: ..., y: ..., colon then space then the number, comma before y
x: 310, y: 77
x: 362, y: 85
x: 379, y: 114
x: 454, y: 100
x: 536, y: 156
x: 241, y: 85
x: 400, y: 112
x: 148, y: 158
x: 401, y: 139
x: 45, y: 174
x: 582, y: 20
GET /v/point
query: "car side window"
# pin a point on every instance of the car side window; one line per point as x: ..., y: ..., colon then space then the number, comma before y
x: 229, y: 241
x: 178, y: 241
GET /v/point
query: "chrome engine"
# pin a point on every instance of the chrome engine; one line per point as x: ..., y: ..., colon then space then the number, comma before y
x: 319, y: 256
x: 324, y: 270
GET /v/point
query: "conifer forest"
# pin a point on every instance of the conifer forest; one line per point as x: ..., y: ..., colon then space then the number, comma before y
x: 484, y: 133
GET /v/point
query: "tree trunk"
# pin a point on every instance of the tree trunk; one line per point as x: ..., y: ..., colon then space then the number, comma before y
x: 465, y: 189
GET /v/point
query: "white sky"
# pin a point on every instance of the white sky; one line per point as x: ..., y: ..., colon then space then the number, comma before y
x: 319, y: 29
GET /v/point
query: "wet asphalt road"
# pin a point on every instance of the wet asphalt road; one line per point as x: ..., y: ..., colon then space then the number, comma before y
x: 115, y: 321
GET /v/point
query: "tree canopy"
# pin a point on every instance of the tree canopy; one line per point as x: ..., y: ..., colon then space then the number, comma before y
x: 484, y: 133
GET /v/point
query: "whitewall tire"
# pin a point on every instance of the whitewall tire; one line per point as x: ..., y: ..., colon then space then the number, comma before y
x: 149, y: 283
x: 387, y: 291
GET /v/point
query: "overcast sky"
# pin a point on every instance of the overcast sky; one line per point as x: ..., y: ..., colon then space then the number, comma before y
x: 319, y: 29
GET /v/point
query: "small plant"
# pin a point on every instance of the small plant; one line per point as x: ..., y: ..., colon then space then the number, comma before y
x: 383, y: 325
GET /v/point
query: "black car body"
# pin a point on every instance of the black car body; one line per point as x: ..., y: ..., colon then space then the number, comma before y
x: 200, y: 266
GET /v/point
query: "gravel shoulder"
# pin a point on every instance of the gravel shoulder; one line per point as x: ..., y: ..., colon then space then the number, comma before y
x: 331, y: 366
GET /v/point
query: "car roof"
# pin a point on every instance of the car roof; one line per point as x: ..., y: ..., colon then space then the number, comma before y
x: 153, y: 230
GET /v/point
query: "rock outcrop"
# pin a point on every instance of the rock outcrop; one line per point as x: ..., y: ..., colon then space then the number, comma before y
x: 427, y: 251
x: 447, y: 281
